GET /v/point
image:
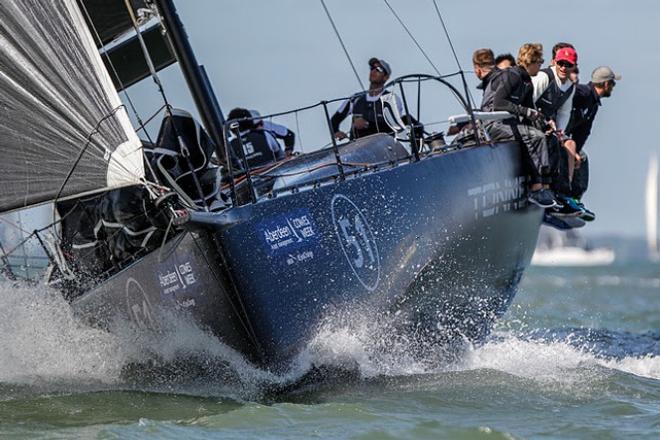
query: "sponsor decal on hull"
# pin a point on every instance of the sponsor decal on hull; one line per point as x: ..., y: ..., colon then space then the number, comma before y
x: 292, y: 235
x: 176, y: 278
x: 494, y: 197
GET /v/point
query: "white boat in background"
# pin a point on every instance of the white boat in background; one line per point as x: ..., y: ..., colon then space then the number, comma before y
x: 652, y: 241
x: 557, y: 248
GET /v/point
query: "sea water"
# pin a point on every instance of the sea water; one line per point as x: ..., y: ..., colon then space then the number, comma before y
x: 576, y: 356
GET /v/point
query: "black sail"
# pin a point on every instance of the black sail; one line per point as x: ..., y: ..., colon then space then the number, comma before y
x: 109, y: 18
x: 63, y: 129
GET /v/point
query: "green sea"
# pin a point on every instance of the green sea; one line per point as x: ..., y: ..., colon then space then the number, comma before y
x: 575, y: 357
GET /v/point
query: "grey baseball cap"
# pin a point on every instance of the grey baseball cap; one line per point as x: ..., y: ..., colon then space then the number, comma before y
x: 603, y: 74
x: 382, y: 63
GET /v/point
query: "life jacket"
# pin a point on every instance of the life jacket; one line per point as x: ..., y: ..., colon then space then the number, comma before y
x: 372, y: 111
x: 552, y: 98
x: 257, y: 148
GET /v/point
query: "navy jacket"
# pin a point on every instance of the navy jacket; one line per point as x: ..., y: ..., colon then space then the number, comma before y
x: 585, y: 107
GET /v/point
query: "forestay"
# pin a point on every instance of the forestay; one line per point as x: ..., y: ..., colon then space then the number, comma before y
x: 63, y: 129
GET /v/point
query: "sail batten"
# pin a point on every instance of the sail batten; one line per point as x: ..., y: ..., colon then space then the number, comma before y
x: 59, y: 104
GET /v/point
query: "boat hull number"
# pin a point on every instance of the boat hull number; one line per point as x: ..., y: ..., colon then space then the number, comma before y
x: 357, y: 241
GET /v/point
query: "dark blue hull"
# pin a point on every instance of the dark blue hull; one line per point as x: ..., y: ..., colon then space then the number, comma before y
x: 441, y: 243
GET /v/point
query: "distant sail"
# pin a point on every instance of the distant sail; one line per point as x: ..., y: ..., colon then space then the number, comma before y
x: 57, y: 101
x: 652, y: 208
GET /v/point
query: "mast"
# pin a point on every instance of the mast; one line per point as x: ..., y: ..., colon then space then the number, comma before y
x: 194, y: 74
x: 652, y: 208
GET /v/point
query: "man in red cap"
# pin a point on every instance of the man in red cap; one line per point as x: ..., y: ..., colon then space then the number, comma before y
x: 553, y: 97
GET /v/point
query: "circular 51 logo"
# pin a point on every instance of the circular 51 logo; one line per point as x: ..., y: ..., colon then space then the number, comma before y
x: 357, y: 241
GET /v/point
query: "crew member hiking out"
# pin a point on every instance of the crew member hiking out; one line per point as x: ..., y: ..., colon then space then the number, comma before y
x: 553, y: 96
x: 585, y: 107
x: 512, y: 91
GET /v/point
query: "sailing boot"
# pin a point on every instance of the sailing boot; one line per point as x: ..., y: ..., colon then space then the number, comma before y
x: 543, y: 198
x: 587, y: 215
x: 570, y: 208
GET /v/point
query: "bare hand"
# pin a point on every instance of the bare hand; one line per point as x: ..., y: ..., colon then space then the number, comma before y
x: 452, y: 130
x: 571, y: 147
x: 360, y: 123
x: 340, y: 135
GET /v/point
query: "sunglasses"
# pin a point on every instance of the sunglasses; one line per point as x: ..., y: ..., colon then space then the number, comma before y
x: 378, y: 69
x: 565, y: 64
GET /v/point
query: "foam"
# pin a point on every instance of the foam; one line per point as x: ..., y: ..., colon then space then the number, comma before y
x: 43, y: 341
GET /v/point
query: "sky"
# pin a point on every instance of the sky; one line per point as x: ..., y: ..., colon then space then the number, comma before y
x: 280, y: 55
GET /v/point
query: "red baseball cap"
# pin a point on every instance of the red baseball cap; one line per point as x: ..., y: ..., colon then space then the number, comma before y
x: 567, y: 54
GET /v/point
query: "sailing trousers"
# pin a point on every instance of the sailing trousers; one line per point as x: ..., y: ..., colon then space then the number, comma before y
x: 535, y: 151
x: 562, y: 183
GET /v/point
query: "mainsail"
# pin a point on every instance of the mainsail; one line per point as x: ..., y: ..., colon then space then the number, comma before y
x: 63, y: 129
x: 652, y: 209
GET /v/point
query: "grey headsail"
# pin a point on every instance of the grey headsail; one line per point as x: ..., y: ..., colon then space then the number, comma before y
x: 63, y: 129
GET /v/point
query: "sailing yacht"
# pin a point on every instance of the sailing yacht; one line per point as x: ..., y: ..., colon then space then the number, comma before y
x: 559, y: 248
x: 652, y: 240
x: 260, y: 257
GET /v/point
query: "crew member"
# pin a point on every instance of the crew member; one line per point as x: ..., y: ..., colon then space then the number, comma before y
x: 260, y: 147
x: 483, y: 62
x: 585, y: 107
x: 504, y: 61
x: 553, y: 96
x: 512, y: 91
x: 366, y: 107
x: 278, y: 131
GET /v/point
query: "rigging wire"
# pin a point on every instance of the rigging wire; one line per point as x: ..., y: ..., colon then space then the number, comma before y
x: 468, y: 93
x: 341, y: 41
x: 300, y: 141
x: 114, y: 72
x: 420, y: 47
x: 183, y: 148
x: 95, y: 131
x: 451, y: 44
x: 147, y: 56
x: 136, y: 114
x: 412, y: 37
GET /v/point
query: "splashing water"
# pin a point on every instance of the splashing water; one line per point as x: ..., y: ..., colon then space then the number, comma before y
x: 43, y: 342
x: 42, y: 339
